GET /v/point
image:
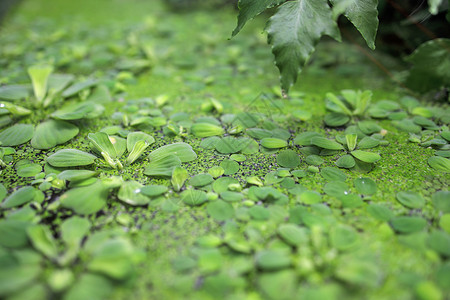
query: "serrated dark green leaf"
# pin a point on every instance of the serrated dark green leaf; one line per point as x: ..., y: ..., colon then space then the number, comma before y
x: 248, y: 9
x: 293, y: 35
x: 364, y: 16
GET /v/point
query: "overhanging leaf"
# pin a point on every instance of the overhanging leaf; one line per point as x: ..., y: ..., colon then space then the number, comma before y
x: 294, y: 31
x: 248, y: 9
x: 364, y: 16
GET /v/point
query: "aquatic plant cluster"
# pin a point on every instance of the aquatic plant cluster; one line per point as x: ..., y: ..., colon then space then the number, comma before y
x: 110, y: 192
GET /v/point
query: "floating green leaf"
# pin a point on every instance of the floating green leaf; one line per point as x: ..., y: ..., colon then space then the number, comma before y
x: 53, y: 132
x: 365, y: 186
x: 42, y: 240
x: 368, y: 157
x: 333, y: 174
x: 220, y: 210
x: 406, y: 224
x: 130, y: 193
x: 273, y: 143
x: 181, y: 150
x: 343, y: 237
x: 200, y: 180
x: 326, y: 143
x: 410, y: 199
x: 202, y: 130
x: 85, y: 200
x: 439, y: 163
x: 288, y: 159
x: 39, y: 77
x: 13, y: 233
x: 21, y: 196
x: 70, y: 158
x: 193, y: 197
x: 179, y: 176
x: 16, y: 135
x: 346, y: 161
x: 229, y: 166
x: 162, y: 165
x: 272, y: 260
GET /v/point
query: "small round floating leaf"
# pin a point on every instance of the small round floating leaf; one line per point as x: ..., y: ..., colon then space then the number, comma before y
x: 29, y: 170
x: 220, y: 210
x: 441, y: 201
x: 346, y: 161
x: 76, y: 175
x: 16, y: 135
x: 153, y: 190
x: 182, y: 150
x: 273, y: 143
x: 222, y: 184
x: 293, y: 234
x: 336, y: 189
x: 405, y: 224
x: 193, y: 197
x: 410, y: 199
x: 439, y: 163
x: 216, y: 171
x: 272, y: 260
x: 13, y: 233
x: 202, y: 130
x: 250, y: 146
x: 162, y: 165
x: 229, y: 144
x: 53, y: 132
x: 368, y: 157
x: 310, y: 197
x: 326, y: 143
x: 336, y: 119
x: 288, y: 159
x: 130, y: 193
x: 70, y: 158
x: 365, y: 186
x: 368, y: 143
x: 439, y: 241
x: 333, y: 174
x: 259, y: 212
x: 314, y: 160
x: 229, y: 166
x: 380, y: 212
x: 343, y: 237
x: 200, y: 180
x: 304, y: 138
x: 21, y: 196
x: 85, y: 200
x: 351, y: 201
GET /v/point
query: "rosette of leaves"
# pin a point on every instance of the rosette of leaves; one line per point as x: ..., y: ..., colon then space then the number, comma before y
x: 349, y: 105
x: 78, y: 264
x: 46, y: 88
x: 356, y: 158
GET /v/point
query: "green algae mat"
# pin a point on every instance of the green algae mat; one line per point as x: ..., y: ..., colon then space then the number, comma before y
x: 144, y: 155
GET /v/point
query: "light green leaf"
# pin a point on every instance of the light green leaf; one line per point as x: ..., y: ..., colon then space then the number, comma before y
x: 74, y: 229
x: 439, y: 163
x: 16, y: 135
x: 410, y: 199
x: 16, y: 277
x: 13, y: 233
x: 220, y: 210
x: 351, y: 141
x: 364, y: 16
x: 76, y: 175
x: 248, y: 9
x: 293, y: 35
x: 162, y: 165
x: 181, y: 150
x: 85, y: 200
x: 179, y: 176
x: 365, y: 186
x: 273, y: 143
x: 53, y: 132
x: 78, y: 87
x: 103, y: 145
x: 14, y: 92
x: 21, y: 196
x: 193, y: 197
x: 77, y: 111
x: 39, y: 77
x: 368, y: 157
x: 433, y: 6
x: 202, y: 130
x: 288, y: 159
x: 15, y: 110
x: 130, y: 193
x: 42, y: 240
x: 134, y: 137
x: 326, y: 143
x: 70, y: 158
